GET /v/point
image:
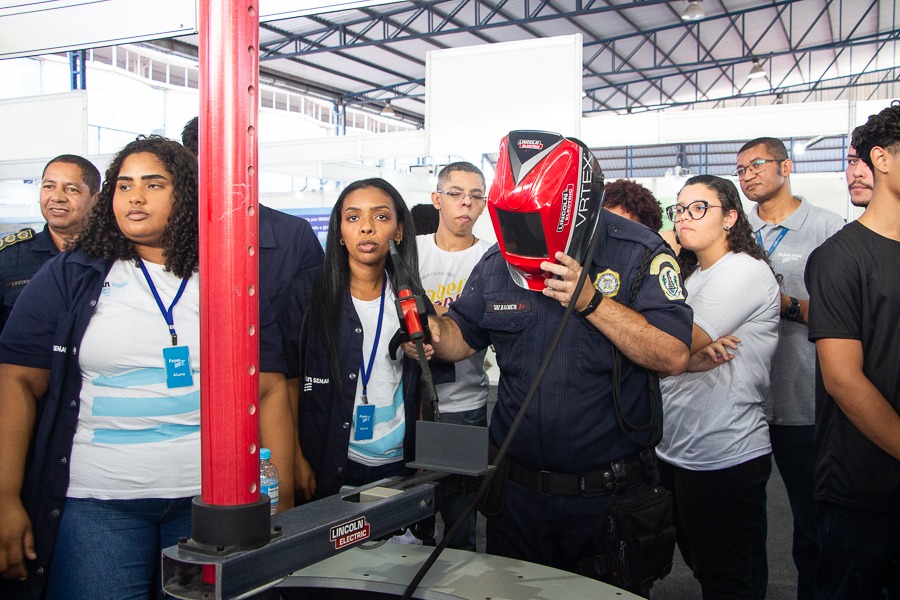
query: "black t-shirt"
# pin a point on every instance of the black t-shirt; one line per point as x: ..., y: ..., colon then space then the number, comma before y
x: 854, y: 290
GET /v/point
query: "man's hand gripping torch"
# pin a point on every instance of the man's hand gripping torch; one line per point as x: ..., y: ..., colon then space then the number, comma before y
x: 413, y: 328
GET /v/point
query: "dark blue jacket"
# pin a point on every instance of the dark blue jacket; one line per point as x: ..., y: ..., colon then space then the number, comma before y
x: 571, y: 424
x: 288, y: 246
x: 326, y: 410
x: 44, y: 332
x: 68, y: 290
x: 21, y: 255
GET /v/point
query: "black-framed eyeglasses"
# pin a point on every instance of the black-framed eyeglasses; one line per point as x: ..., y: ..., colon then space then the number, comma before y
x: 457, y: 195
x: 696, y: 209
x: 756, y: 166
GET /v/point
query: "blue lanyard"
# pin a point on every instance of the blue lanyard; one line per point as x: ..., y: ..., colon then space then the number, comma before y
x: 774, y: 245
x: 366, y: 374
x: 167, y: 314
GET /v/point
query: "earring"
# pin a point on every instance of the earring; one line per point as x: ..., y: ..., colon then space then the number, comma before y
x: 728, y: 228
x: 341, y: 241
x: 398, y: 239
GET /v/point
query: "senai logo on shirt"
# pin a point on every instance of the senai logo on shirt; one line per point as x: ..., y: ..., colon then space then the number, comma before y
x: 107, y: 286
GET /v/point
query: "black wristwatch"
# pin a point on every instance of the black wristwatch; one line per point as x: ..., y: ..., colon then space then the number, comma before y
x: 592, y: 305
x: 793, y: 309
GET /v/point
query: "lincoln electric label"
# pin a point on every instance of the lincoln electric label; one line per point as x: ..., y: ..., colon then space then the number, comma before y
x: 349, y: 533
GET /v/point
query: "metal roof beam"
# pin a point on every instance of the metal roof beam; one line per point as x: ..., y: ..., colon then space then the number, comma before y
x: 539, y: 14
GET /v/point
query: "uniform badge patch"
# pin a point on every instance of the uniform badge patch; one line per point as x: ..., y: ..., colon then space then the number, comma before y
x: 670, y: 282
x: 663, y: 259
x: 14, y: 238
x: 607, y: 283
x: 666, y: 267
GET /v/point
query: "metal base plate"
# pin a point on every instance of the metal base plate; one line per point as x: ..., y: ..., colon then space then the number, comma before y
x: 457, y: 575
x: 451, y: 448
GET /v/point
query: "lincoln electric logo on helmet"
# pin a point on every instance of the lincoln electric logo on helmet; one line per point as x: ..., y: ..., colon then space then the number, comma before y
x: 533, y: 197
x: 531, y: 144
x: 566, y: 207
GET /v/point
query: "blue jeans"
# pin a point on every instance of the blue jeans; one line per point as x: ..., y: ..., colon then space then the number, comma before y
x: 860, y: 553
x: 454, y: 508
x: 112, y: 548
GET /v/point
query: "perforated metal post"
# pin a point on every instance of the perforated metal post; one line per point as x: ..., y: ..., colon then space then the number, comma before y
x: 229, y: 308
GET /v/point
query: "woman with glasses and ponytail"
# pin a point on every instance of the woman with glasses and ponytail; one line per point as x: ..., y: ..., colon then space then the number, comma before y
x: 715, y: 452
x: 358, y: 403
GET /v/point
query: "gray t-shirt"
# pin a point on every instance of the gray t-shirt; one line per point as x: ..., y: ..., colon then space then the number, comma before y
x: 791, y: 399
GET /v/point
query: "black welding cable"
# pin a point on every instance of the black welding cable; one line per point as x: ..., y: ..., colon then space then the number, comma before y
x: 520, y: 416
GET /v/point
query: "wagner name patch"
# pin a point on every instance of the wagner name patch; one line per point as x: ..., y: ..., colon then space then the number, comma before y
x: 508, y: 307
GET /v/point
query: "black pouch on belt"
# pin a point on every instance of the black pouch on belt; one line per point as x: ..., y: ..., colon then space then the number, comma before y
x: 494, y: 500
x: 641, y: 538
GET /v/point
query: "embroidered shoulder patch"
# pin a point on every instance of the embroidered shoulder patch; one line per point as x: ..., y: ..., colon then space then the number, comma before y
x: 670, y: 282
x: 607, y: 283
x: 662, y: 259
x: 14, y: 238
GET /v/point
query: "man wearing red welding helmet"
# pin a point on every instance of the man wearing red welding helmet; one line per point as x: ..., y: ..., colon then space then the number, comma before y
x: 588, y: 433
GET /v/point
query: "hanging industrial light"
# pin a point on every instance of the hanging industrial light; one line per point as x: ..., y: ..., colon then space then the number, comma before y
x: 388, y: 110
x: 756, y: 70
x: 694, y: 11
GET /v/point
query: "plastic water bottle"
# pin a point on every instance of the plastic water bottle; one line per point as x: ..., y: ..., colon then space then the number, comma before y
x: 268, y: 478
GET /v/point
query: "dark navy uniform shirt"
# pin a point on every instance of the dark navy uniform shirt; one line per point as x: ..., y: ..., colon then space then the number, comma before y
x: 21, y: 255
x: 571, y: 424
x: 287, y: 247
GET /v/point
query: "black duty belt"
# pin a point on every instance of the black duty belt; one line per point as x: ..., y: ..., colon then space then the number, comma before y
x: 592, y: 483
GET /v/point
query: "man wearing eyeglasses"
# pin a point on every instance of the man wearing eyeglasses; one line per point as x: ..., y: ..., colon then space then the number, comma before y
x: 789, y: 228
x: 854, y: 316
x: 446, y: 259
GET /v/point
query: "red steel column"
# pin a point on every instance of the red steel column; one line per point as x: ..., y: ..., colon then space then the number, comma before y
x: 229, y: 307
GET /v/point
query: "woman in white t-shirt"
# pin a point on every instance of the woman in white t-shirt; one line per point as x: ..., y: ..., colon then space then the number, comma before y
x: 715, y: 453
x: 102, y: 391
x: 358, y: 403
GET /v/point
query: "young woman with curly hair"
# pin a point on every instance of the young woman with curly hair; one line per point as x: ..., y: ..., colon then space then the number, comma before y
x: 100, y: 438
x: 715, y: 451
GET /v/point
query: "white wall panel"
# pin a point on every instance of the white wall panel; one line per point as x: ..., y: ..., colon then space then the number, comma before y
x: 476, y: 95
x: 41, y: 126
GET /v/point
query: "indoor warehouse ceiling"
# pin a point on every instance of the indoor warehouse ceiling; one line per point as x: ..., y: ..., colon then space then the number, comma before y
x: 640, y: 55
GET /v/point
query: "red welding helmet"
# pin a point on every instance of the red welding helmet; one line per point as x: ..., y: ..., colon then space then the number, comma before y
x: 546, y: 197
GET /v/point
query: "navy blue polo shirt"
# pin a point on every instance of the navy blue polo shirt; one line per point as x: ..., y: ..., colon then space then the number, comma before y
x: 287, y: 247
x: 19, y: 261
x: 44, y: 332
x: 571, y: 424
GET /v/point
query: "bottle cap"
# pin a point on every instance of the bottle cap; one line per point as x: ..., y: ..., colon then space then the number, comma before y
x: 265, y: 454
